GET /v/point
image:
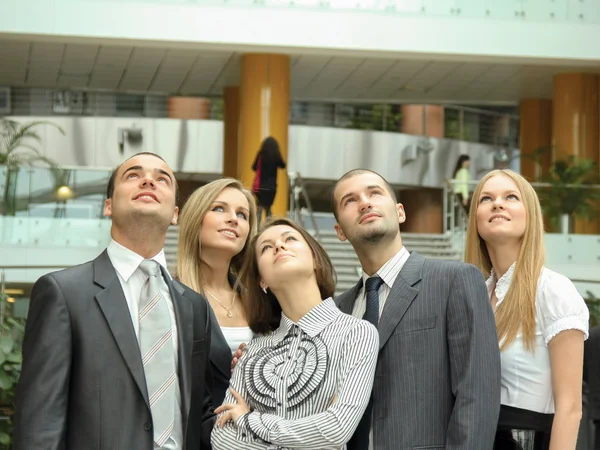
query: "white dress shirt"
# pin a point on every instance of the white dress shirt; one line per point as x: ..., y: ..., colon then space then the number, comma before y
x: 126, y: 264
x: 388, y: 273
x: 526, y: 377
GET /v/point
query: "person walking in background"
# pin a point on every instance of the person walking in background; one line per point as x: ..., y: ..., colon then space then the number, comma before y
x: 268, y: 160
x: 305, y: 379
x: 115, y: 354
x: 541, y: 319
x: 591, y: 375
x: 215, y: 227
x: 438, y: 372
x: 461, y: 177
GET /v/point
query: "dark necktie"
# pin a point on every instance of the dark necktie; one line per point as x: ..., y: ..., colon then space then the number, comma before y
x: 360, y: 439
x: 372, y: 286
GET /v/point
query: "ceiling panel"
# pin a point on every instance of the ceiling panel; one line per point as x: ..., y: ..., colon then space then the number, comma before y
x: 110, y: 65
x: 44, y: 64
x: 14, y: 56
x: 321, y: 77
x: 358, y: 82
x: 397, y: 77
x: 332, y: 75
x: 305, y: 68
x: 173, y: 70
x: 207, y: 69
x: 141, y: 69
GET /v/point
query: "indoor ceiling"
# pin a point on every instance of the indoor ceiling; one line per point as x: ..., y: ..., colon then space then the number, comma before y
x: 198, y: 72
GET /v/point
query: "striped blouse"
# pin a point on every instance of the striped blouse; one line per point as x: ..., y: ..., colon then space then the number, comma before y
x: 307, y: 383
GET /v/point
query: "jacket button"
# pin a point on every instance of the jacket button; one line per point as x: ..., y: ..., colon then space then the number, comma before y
x: 147, y: 426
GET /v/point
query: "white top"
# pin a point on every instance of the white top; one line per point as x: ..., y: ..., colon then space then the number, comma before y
x: 388, y: 273
x: 126, y: 264
x: 236, y: 336
x: 526, y: 376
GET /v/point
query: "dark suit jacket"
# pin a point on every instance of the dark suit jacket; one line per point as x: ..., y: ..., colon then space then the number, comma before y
x: 591, y: 371
x: 437, y: 382
x: 220, y: 362
x: 82, y: 385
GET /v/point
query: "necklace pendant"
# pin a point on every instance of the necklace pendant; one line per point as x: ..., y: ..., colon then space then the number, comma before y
x: 229, y: 314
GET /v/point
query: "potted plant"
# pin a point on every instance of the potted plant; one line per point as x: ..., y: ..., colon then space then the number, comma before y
x: 570, y: 192
x: 11, y: 336
x: 593, y: 304
x: 16, y: 150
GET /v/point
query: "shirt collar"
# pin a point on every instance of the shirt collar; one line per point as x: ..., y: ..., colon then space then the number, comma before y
x: 501, y: 285
x: 390, y: 270
x: 126, y: 261
x: 312, y: 323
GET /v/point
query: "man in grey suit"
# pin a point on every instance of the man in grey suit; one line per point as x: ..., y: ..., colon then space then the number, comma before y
x: 115, y: 355
x: 437, y: 383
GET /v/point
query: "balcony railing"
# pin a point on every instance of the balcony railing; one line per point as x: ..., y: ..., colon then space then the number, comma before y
x: 581, y: 11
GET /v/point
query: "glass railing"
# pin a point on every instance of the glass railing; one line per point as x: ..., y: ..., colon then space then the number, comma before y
x: 493, y: 126
x: 53, y: 193
x: 581, y: 11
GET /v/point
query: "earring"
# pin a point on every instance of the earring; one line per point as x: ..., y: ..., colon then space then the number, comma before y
x: 264, y: 289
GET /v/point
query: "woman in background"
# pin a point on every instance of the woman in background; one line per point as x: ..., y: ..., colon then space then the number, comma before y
x: 215, y: 227
x: 268, y: 160
x: 541, y: 319
x: 305, y: 379
x: 462, y: 177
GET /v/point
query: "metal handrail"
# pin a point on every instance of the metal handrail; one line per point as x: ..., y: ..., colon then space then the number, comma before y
x: 297, y: 189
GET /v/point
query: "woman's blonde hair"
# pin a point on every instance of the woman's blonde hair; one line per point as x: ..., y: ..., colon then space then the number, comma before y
x: 190, y: 223
x: 517, y: 311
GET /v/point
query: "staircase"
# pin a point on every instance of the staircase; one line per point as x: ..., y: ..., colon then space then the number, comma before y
x: 347, y: 267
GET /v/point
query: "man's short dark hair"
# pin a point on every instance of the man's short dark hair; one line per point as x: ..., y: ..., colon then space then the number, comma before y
x: 110, y: 188
x: 354, y: 173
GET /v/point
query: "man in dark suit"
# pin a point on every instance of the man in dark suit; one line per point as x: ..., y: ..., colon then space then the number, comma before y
x: 437, y: 383
x: 591, y: 376
x: 115, y: 355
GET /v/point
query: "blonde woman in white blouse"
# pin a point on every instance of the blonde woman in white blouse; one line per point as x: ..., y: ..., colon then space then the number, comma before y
x: 305, y: 379
x: 541, y: 319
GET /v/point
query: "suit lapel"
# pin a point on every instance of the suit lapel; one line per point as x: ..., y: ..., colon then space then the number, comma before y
x: 113, y: 304
x: 401, y: 296
x: 346, y: 300
x: 184, y: 315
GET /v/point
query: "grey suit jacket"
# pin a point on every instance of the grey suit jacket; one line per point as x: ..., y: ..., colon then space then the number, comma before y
x: 437, y: 382
x: 82, y: 385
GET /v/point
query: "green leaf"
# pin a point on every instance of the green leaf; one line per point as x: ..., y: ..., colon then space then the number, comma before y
x: 3, y: 357
x: 6, y: 382
x: 4, y: 438
x: 15, y: 358
x: 6, y: 344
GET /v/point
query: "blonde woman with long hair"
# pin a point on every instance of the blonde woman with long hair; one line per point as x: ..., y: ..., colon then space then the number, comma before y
x: 215, y: 227
x: 541, y: 319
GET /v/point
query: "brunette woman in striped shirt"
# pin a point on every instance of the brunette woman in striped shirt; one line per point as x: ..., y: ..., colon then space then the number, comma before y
x: 305, y: 380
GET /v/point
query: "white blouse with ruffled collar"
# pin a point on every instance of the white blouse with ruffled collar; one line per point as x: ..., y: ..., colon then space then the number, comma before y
x: 526, y: 376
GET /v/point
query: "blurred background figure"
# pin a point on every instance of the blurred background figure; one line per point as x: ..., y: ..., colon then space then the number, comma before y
x: 461, y: 177
x: 268, y: 160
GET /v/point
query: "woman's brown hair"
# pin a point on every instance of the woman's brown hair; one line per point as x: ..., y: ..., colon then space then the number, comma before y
x: 263, y: 311
x: 517, y: 311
